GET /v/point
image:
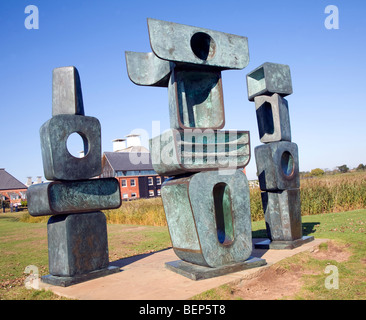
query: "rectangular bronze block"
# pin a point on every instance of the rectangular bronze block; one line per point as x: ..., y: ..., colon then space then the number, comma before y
x: 197, y: 46
x: 273, y: 118
x: 146, y: 69
x: 282, y: 213
x: 58, y: 163
x: 61, y: 197
x: 283, y: 245
x: 197, y: 272
x: 180, y: 151
x: 269, y: 78
x: 208, y: 215
x: 67, y: 96
x: 277, y: 166
x: 77, y: 244
x: 196, y: 100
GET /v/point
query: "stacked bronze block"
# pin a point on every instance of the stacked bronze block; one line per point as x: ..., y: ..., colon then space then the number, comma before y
x: 277, y: 159
x: 206, y: 200
x: 77, y: 229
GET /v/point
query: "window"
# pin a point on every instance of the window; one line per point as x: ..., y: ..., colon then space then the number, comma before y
x: 158, y: 192
x: 151, y: 193
x: 123, y: 183
x: 133, y: 195
x: 138, y: 172
x: 150, y: 181
x: 125, y: 196
x: 146, y: 172
x: 132, y: 173
x: 158, y: 180
x: 132, y: 183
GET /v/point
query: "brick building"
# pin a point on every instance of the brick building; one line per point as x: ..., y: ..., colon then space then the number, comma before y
x: 11, y: 189
x: 131, y: 165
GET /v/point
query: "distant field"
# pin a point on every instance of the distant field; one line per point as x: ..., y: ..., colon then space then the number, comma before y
x: 341, y: 192
x: 337, y: 193
x: 331, y: 193
x: 334, y: 193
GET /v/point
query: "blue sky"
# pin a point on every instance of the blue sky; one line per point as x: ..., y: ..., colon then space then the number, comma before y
x: 327, y: 108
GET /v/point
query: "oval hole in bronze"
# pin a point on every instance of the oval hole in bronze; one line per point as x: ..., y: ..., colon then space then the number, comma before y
x: 223, y: 213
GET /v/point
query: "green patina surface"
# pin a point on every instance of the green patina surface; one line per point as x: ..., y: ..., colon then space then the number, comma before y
x: 200, y: 101
x: 95, y: 194
x: 209, y: 213
x: 179, y: 217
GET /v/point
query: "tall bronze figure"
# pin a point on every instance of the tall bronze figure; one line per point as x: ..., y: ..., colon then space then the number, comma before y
x: 277, y: 159
x: 77, y: 229
x: 206, y: 200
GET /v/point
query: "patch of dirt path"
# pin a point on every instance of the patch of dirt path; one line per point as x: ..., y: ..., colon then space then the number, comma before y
x: 335, y: 251
x: 274, y: 283
x: 278, y: 282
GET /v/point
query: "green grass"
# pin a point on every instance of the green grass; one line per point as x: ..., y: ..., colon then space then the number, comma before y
x: 129, y: 240
x: 348, y: 229
x: 345, y: 226
x: 23, y: 244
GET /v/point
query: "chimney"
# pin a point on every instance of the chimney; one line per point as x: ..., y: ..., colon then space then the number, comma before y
x: 119, y: 144
x: 39, y: 179
x: 133, y: 140
x: 29, y: 181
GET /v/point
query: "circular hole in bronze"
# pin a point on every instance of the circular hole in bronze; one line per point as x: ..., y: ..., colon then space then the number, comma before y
x: 77, y: 145
x: 203, y: 46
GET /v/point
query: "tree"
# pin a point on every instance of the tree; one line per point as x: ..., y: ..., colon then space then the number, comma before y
x: 317, y: 172
x: 343, y: 168
x: 361, y: 167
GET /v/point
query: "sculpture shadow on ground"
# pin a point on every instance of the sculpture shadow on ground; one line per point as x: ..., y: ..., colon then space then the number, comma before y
x: 307, y: 228
x: 129, y: 260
